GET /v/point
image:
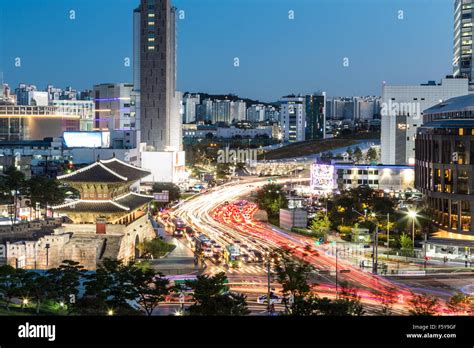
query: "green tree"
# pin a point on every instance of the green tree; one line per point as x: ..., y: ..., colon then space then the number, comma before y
x: 109, y: 288
x: 155, y: 248
x: 222, y: 170
x: 65, y: 281
x: 45, y: 192
x: 371, y: 155
x: 149, y: 288
x: 406, y: 244
x: 423, y: 305
x: 174, y: 191
x: 350, y: 300
x: 320, y: 225
x: 13, y: 183
x: 294, y: 279
x: 8, y: 284
x: 41, y: 289
x: 358, y: 155
x: 271, y: 198
x: 212, y: 298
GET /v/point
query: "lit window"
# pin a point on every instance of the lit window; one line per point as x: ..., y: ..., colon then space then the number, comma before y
x: 150, y: 24
x: 151, y: 39
x: 461, y: 131
x: 151, y: 15
x: 151, y: 48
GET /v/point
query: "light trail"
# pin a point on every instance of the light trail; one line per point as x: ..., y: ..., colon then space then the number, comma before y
x: 227, y: 223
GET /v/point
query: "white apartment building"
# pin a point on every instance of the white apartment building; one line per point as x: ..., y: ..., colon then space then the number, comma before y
x: 238, y: 110
x: 292, y: 115
x: 190, y: 101
x: 256, y: 113
x: 402, y: 112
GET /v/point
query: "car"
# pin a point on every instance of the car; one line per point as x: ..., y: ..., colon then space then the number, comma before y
x: 274, y: 299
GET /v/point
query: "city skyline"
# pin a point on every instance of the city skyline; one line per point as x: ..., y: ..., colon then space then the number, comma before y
x: 101, y: 44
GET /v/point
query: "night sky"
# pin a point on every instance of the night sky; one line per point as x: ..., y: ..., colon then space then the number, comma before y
x: 277, y: 55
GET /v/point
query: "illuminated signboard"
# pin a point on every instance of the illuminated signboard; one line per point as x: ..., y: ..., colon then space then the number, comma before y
x: 323, y: 177
x: 87, y: 139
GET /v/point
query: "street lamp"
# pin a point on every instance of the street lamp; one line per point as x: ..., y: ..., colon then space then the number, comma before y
x: 413, y: 215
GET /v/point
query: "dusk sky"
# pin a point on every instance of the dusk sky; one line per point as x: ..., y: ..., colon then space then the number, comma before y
x: 277, y: 56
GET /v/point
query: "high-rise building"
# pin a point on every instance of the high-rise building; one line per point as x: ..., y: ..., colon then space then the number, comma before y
x: 293, y: 118
x: 221, y: 111
x: 112, y: 106
x: 160, y: 120
x: 366, y: 108
x: 190, y: 102
x: 238, y: 110
x: 29, y: 95
x: 256, y: 113
x: 155, y: 102
x: 463, y: 31
x: 315, y: 125
x: 402, y: 113
x: 272, y: 114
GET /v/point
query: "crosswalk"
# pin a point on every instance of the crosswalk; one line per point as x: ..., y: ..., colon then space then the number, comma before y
x: 247, y: 269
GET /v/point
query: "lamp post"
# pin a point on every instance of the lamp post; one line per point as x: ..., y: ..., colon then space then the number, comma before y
x: 413, y: 215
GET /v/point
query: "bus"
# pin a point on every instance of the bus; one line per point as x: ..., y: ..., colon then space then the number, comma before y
x: 179, y: 227
x: 232, y: 256
x: 203, y: 245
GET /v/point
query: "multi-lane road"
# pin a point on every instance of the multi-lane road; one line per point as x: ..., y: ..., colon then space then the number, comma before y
x: 215, y: 215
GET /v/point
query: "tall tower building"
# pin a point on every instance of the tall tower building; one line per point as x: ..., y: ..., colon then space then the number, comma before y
x: 155, y: 102
x: 160, y: 121
x: 463, y: 30
x: 315, y: 127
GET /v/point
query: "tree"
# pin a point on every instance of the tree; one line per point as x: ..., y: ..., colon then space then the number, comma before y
x: 155, y: 248
x: 40, y: 287
x: 461, y: 304
x: 222, y: 170
x: 174, y: 191
x: 8, y: 284
x: 13, y: 183
x: 423, y: 305
x: 211, y: 297
x: 45, y: 192
x: 320, y: 225
x: 108, y: 289
x: 358, y: 155
x: 406, y: 244
x: 294, y: 279
x: 271, y: 198
x: 65, y: 281
x: 341, y: 212
x: 350, y: 300
x: 149, y: 288
x: 371, y: 155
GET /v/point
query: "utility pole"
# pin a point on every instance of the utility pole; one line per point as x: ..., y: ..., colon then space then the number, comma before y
x: 375, y: 249
x: 388, y: 235
x: 268, y: 285
x: 424, y: 249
